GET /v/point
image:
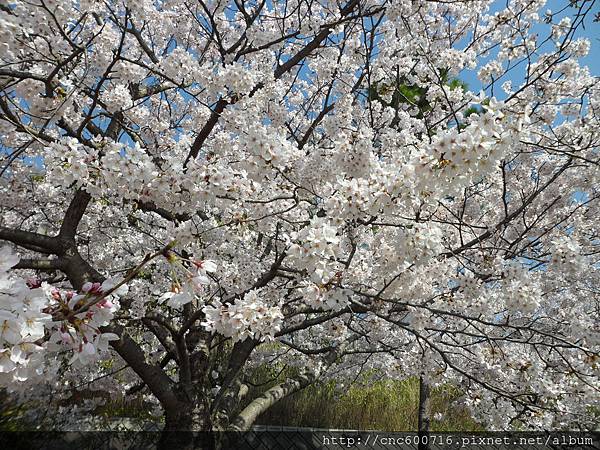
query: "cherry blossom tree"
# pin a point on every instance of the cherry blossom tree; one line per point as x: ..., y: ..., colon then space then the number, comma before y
x: 193, y: 189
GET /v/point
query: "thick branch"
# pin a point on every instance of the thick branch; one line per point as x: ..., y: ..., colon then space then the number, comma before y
x: 162, y: 335
x: 239, y: 355
x: 78, y: 270
x: 28, y: 238
x: 206, y: 130
x: 246, y: 418
x: 74, y: 214
x: 147, y: 50
x: 40, y: 264
x: 165, y: 214
x: 314, y: 44
x: 155, y: 378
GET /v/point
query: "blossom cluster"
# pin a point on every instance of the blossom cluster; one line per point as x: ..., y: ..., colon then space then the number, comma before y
x: 23, y: 323
x: 566, y: 255
x: 81, y: 332
x: 192, y: 283
x: 39, y: 320
x: 246, y: 317
x: 325, y: 296
x: 315, y: 244
x: 408, y: 244
x: 459, y: 157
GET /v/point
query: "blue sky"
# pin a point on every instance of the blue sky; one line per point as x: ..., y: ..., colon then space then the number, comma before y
x: 591, y: 32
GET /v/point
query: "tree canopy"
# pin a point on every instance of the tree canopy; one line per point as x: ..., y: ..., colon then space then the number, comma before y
x: 193, y: 189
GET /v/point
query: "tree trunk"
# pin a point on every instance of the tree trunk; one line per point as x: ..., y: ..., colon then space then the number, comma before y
x: 424, y: 418
x: 177, y: 432
x: 187, y: 429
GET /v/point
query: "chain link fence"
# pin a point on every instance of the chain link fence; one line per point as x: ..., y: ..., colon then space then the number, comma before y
x: 292, y: 438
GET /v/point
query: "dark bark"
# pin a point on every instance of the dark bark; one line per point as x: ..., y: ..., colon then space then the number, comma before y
x: 189, y: 427
x: 239, y: 355
x: 74, y: 214
x: 40, y: 264
x: 46, y: 244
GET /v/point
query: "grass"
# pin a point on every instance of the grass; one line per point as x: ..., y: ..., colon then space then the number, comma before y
x: 385, y: 405
x: 11, y: 415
